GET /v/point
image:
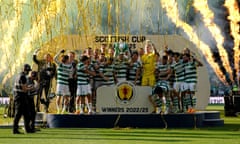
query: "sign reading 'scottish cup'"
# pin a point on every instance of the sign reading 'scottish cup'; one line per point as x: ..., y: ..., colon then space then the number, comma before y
x: 124, y: 98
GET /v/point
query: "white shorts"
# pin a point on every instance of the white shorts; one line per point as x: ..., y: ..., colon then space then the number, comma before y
x: 191, y: 87
x: 83, y: 90
x: 179, y: 86
x: 62, y: 90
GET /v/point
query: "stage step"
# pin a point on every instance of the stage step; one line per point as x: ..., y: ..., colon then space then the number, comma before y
x: 213, y: 122
x: 183, y: 120
x: 212, y: 118
x: 211, y: 115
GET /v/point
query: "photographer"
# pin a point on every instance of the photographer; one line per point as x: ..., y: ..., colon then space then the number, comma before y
x: 62, y: 88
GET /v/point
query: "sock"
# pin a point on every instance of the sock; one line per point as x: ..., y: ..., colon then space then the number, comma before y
x: 81, y: 108
x: 188, y: 101
x: 158, y: 110
x: 184, y: 104
x: 89, y: 105
x: 168, y: 100
x: 77, y: 107
x: 64, y: 108
x: 58, y: 108
x: 194, y: 101
x: 158, y: 102
x: 175, y: 103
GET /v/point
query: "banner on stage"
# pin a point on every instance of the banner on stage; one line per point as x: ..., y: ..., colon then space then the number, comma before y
x: 124, y: 98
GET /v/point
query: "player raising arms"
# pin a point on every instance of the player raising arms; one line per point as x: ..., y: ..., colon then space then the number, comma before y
x: 63, y: 73
x: 163, y: 72
x: 148, y: 64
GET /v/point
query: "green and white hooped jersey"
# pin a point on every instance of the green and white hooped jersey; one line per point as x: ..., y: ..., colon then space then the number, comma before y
x: 133, y: 70
x: 190, y: 72
x: 98, y: 78
x: 179, y: 71
x: 162, y: 68
x: 108, y: 71
x: 172, y: 77
x: 63, y: 73
x: 82, y: 77
x: 91, y: 67
x: 121, y: 69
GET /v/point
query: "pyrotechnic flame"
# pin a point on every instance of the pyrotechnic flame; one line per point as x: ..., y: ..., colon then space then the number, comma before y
x: 38, y: 28
x: 208, y: 15
x: 234, y: 18
x: 49, y: 16
x: 172, y: 12
x: 7, y: 41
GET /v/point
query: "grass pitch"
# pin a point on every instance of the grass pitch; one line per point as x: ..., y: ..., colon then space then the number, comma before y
x: 229, y: 133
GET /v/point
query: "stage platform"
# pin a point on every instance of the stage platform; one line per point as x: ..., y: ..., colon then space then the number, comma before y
x: 182, y: 120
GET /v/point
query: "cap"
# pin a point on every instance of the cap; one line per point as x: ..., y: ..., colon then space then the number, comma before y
x: 34, y: 74
x: 121, y: 53
x: 27, y: 67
